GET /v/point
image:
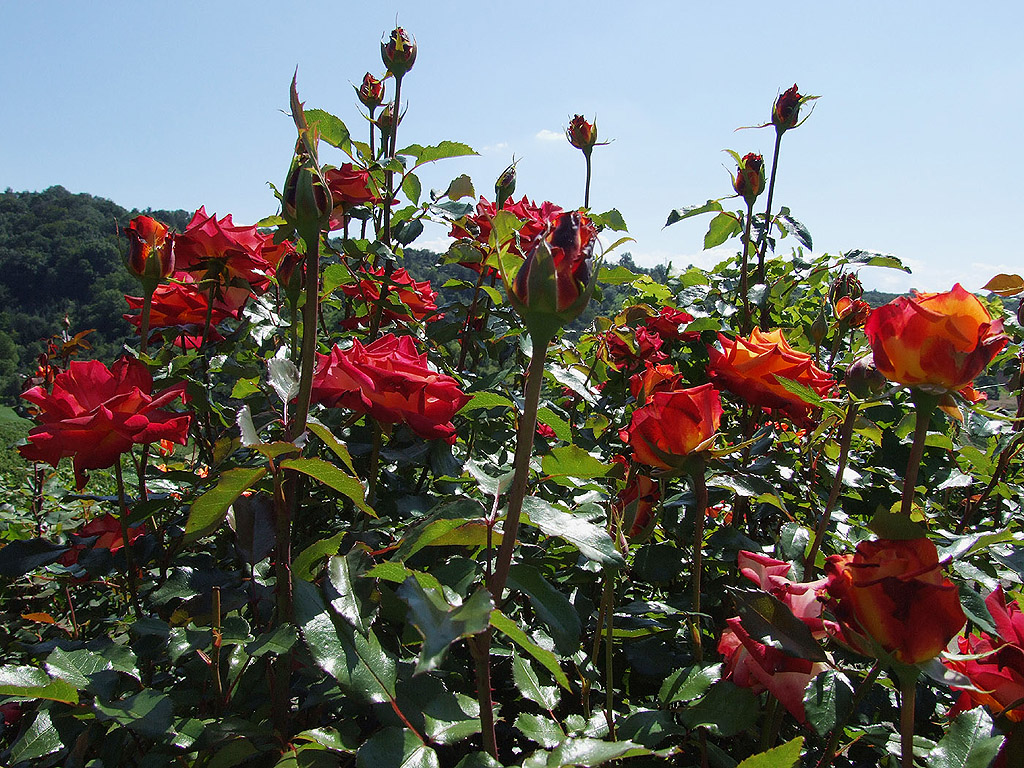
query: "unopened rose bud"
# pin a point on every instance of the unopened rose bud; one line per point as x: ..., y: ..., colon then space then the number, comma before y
x: 786, y: 112
x: 847, y: 284
x: 853, y: 311
x: 386, y: 118
x: 863, y: 379
x: 150, y: 252
x: 818, y: 329
x: 505, y: 185
x: 398, y: 52
x: 749, y: 179
x: 306, y: 200
x: 371, y: 92
x: 582, y: 134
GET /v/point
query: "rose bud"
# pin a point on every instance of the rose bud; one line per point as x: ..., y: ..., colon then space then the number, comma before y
x: 847, y: 284
x: 306, y: 200
x: 581, y: 134
x: 555, y: 282
x: 150, y: 254
x: 786, y: 111
x: 371, y: 92
x: 505, y: 185
x: 398, y: 52
x: 818, y: 330
x: 854, y: 312
x: 385, y: 118
x: 749, y: 179
x: 863, y: 379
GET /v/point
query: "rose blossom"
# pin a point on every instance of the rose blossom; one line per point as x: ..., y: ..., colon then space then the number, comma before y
x: 106, y: 530
x: 477, y: 227
x: 938, y: 340
x: 94, y: 414
x: 349, y: 186
x: 673, y: 425
x: 416, y: 298
x: 892, y: 594
x: 801, y: 598
x: 391, y: 382
x: 752, y: 369
x: 655, y: 378
x: 150, y: 252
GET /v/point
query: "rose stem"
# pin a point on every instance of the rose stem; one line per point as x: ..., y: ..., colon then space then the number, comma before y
x: 586, y: 189
x: 389, y: 175
x: 607, y: 601
x: 837, y: 731
x: 908, y: 692
x: 609, y: 670
x: 469, y: 317
x: 925, y: 406
x: 125, y: 545
x: 75, y: 632
x: 745, y: 320
x: 700, y: 490
x: 845, y: 437
x: 147, y: 308
x: 762, y: 245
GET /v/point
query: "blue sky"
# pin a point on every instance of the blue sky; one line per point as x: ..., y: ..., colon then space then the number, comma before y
x: 911, y: 150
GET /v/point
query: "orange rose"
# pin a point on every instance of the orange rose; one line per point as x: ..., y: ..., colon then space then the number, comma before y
x: 672, y: 425
x: 938, y: 340
x: 893, y: 594
x: 751, y: 368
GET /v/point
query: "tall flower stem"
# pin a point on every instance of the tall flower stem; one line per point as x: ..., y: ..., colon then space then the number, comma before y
x: 129, y: 561
x: 925, y: 406
x: 845, y: 437
x: 700, y: 492
x: 311, y: 237
x: 586, y: 189
x: 744, y: 269
x: 858, y: 696
x: 388, y: 151
x: 907, y: 677
x: 147, y: 309
x: 762, y: 244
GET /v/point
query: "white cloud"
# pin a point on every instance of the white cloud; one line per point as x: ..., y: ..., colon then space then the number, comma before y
x: 501, y: 146
x: 546, y: 135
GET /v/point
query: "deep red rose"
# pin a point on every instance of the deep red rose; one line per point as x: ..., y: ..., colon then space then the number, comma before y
x: 371, y: 92
x: 752, y: 664
x: 655, y: 378
x: 752, y: 369
x: 94, y: 414
x: 106, y: 530
x: 349, y: 186
x: 892, y: 594
x: 786, y: 112
x: 546, y: 431
x: 998, y: 673
x: 749, y: 180
x: 669, y: 322
x: 391, y: 382
x: 672, y: 425
x: 398, y: 52
x: 408, y: 298
x: 582, y: 134
x: 939, y: 340
x: 625, y: 357
x: 150, y: 251
x: 537, y: 219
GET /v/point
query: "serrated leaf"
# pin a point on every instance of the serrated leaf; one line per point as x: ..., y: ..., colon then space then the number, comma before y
x: 551, y: 606
x: 333, y: 477
x: 689, y: 683
x: 461, y: 186
x: 441, y: 521
x: 42, y: 738
x: 693, y: 210
x: 547, y: 659
x: 573, y: 461
x: 18, y: 558
x: 396, y: 748
x: 591, y: 540
x: 334, y: 275
x: 329, y: 128
x: 441, y: 627
x: 309, y: 560
x: 209, y: 510
x: 727, y: 709
x: 252, y: 519
x: 800, y: 232
x: 610, y: 220
x: 783, y: 756
x: 586, y: 752
x: 412, y: 188
x: 486, y: 400
x: 827, y: 701
x: 968, y: 742
x: 563, y: 431
x: 278, y: 642
x: 530, y: 686
x: 1005, y: 285
x: 345, y: 588
x: 721, y: 228
x: 617, y: 275
x: 769, y: 620
x: 874, y: 259
x: 543, y: 730
x: 809, y: 396
x: 335, y: 445
x: 442, y: 151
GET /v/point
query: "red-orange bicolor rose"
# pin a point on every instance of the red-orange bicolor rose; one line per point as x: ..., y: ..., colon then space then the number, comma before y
x: 751, y: 369
x: 749, y: 180
x: 892, y: 594
x: 854, y: 311
x: 95, y: 413
x: 655, y: 378
x: 417, y: 299
x: 940, y: 340
x: 582, y: 134
x: 672, y: 425
x: 750, y: 663
x: 150, y: 251
x: 392, y: 382
x: 371, y: 92
x: 997, y: 672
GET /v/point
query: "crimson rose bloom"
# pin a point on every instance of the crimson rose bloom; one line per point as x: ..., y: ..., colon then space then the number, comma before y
x: 582, y: 134
x: 672, y: 425
x: 668, y: 324
x: 749, y: 180
x: 786, y: 112
x: 349, y: 186
x: 751, y: 369
x: 389, y: 380
x: 181, y: 307
x: 416, y: 298
x: 477, y: 226
x: 892, y: 594
x: 998, y: 675
x: 150, y: 252
x: 623, y: 357
x: 95, y: 414
x: 107, y: 532
x: 940, y: 340
x: 371, y: 92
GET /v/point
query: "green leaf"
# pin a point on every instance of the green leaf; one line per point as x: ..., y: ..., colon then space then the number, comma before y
x: 827, y: 701
x: 331, y: 738
x: 345, y: 583
x: 335, y: 445
x: 722, y: 227
x: 486, y: 400
x: 42, y: 738
x: 284, y: 378
x: 873, y: 259
x: 77, y: 666
x: 412, y: 188
x: 562, y: 429
x: 461, y: 186
x: 442, y: 151
x: 245, y: 387
x: 592, y: 541
x: 618, y: 275
x: 727, y: 709
x: 893, y: 525
x: 33, y: 683
x: 331, y: 476
x: 358, y: 662
x: 510, y: 629
x: 306, y: 565
x: 693, y: 210
x: 809, y: 396
x: 543, y: 730
x: 439, y: 623
x: 329, y: 128
x: 396, y: 748
x: 769, y: 620
x: 334, y: 275
x: 967, y: 743
x: 610, y: 220
x: 689, y: 683
x: 441, y: 521
x: 590, y: 752
x: 277, y: 642
x: 478, y: 760
x: 573, y: 461
x: 148, y: 713
x: 530, y: 686
x: 551, y: 606
x: 208, y: 511
x: 783, y: 756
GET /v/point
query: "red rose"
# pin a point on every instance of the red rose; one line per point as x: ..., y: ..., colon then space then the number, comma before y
x: 749, y: 180
x: 786, y: 111
x: 581, y: 134
x: 938, y: 340
x: 854, y: 311
x: 415, y: 298
x: 892, y: 594
x: 106, y: 530
x: 390, y: 381
x: 751, y: 369
x: 349, y: 186
x: 672, y: 425
x: 182, y: 307
x: 398, y: 52
x: 371, y: 92
x: 546, y: 431
x: 95, y: 414
x: 536, y: 221
x: 625, y: 357
x: 801, y: 598
x: 655, y: 378
x: 150, y: 252
x: 998, y: 673
x: 668, y: 324
x: 752, y: 664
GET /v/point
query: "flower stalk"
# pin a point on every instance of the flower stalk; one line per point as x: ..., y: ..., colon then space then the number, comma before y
x: 925, y: 406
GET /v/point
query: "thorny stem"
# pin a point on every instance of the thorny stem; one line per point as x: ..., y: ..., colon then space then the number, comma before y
x: 75, y: 632
x: 925, y: 404
x: 218, y: 684
x: 129, y: 561
x: 908, y: 694
x: 469, y: 317
x: 744, y: 267
x: 700, y: 491
x: 845, y: 437
x: 480, y: 648
x: 837, y: 731
x: 586, y: 189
